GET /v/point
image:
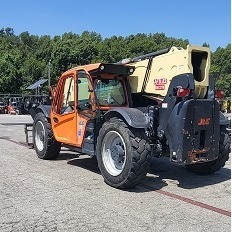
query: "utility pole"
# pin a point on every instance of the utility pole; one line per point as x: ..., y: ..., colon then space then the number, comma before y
x: 49, y: 72
x: 38, y: 90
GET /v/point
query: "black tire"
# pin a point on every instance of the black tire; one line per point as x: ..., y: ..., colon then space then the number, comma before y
x: 215, y: 165
x: 136, y: 154
x: 45, y: 145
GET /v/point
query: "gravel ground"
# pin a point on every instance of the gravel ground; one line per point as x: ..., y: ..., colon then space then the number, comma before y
x: 69, y: 194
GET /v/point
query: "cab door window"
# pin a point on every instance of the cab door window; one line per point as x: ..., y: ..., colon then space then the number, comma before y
x: 85, y: 92
x: 68, y: 99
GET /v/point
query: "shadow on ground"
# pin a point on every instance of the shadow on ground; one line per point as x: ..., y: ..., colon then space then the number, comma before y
x: 162, y: 173
x: 173, y: 173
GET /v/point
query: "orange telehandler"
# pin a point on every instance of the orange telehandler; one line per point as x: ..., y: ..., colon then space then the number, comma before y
x: 125, y: 113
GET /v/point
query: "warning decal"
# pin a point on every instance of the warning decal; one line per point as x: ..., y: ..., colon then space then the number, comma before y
x: 159, y: 87
x: 160, y: 83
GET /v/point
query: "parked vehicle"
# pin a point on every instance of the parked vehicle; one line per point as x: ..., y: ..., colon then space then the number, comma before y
x: 157, y: 104
x: 13, y: 108
x: 2, y: 107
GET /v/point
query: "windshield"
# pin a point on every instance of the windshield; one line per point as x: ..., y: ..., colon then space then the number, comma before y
x: 110, y: 92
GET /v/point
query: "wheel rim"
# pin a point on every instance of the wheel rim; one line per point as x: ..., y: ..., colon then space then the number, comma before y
x: 114, y: 153
x: 39, y: 135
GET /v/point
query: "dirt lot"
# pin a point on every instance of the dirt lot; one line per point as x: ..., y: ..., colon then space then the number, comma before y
x: 69, y: 194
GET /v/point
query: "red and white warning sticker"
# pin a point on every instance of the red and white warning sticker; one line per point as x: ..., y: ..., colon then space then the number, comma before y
x: 160, y: 83
x: 159, y: 87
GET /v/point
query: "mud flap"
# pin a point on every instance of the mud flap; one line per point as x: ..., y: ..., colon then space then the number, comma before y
x: 193, y: 131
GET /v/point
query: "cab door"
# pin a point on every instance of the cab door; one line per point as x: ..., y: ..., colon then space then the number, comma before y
x: 86, y: 104
x: 64, y: 111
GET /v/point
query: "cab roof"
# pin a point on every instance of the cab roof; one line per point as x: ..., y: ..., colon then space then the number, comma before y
x: 99, y: 68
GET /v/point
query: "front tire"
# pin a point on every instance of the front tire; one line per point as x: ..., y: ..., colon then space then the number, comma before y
x: 215, y: 165
x: 123, y: 154
x: 45, y: 145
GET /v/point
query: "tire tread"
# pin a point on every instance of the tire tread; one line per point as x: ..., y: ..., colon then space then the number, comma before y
x: 52, y: 149
x: 140, y: 154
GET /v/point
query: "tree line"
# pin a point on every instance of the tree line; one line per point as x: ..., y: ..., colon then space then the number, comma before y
x: 24, y: 58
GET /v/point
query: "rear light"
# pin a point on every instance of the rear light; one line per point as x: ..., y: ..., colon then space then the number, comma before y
x: 219, y: 94
x: 182, y: 92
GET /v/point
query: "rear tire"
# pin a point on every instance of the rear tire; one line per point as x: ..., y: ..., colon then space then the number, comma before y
x: 215, y: 165
x: 123, y: 154
x: 44, y: 142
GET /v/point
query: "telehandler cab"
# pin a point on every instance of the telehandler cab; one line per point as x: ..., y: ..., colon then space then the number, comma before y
x: 125, y: 113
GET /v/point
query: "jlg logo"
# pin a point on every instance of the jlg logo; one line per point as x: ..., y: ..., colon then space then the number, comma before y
x: 204, y: 122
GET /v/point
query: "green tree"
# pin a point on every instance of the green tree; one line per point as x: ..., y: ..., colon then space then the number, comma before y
x: 221, y: 68
x: 24, y: 58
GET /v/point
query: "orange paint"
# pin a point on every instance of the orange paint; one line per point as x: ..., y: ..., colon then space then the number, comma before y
x: 70, y: 127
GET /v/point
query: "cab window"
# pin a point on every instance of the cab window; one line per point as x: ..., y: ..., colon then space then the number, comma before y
x: 110, y: 92
x: 67, y: 104
x: 85, y: 100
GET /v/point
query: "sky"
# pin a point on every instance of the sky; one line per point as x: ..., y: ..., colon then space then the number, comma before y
x: 199, y: 21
